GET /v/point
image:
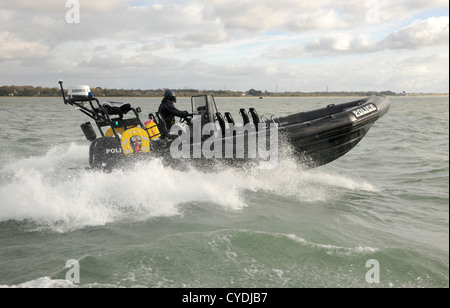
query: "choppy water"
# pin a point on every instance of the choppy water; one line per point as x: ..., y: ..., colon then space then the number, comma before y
x: 155, y: 226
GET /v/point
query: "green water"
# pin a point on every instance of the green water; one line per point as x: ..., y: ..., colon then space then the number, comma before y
x: 157, y: 226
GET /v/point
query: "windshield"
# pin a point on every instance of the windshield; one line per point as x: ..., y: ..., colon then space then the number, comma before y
x: 204, y: 103
x: 200, y: 103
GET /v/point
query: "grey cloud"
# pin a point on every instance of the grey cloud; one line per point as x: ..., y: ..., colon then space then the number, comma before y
x: 421, y: 33
x: 207, y: 43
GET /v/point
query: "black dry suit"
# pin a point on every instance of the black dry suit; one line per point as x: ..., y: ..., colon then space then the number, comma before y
x: 169, y: 112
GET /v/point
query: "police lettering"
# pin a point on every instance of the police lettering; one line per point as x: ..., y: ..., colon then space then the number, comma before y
x: 113, y: 151
x: 364, y: 110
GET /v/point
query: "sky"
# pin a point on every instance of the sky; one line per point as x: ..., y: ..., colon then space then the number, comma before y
x: 275, y: 46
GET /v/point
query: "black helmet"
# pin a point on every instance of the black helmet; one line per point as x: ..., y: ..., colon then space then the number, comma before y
x: 170, y: 95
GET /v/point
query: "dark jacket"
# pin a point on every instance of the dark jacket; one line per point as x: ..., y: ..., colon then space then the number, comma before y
x: 168, y: 111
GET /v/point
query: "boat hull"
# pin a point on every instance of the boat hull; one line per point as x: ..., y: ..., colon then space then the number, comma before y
x: 318, y: 137
x: 322, y: 136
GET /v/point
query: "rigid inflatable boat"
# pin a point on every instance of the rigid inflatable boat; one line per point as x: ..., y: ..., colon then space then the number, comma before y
x: 318, y: 136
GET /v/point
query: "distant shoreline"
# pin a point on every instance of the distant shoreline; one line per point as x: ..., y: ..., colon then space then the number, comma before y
x: 246, y: 96
x: 249, y: 97
x: 30, y: 91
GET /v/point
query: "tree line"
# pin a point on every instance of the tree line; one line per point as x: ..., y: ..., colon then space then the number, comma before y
x: 104, y: 92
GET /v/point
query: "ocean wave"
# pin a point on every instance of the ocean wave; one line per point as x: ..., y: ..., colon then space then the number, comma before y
x: 55, y: 191
x: 224, y: 236
x: 332, y: 249
x: 43, y: 282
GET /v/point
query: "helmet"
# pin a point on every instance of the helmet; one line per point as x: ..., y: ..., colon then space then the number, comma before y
x: 170, y: 95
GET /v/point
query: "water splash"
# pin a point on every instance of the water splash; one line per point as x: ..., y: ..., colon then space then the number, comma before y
x: 55, y: 191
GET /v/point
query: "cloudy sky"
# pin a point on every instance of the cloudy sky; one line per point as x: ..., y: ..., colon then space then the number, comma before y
x: 283, y: 45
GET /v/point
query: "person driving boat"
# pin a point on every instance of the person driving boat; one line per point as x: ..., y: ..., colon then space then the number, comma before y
x: 168, y: 110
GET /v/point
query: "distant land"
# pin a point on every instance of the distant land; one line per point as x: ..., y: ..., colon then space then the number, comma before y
x: 104, y: 92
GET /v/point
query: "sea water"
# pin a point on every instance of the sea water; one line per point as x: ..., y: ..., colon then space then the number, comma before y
x: 376, y: 217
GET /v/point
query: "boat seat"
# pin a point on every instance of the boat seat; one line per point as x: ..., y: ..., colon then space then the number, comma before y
x: 244, y: 115
x: 255, y: 117
x: 116, y: 108
x: 229, y: 118
x: 221, y: 122
x: 161, y: 125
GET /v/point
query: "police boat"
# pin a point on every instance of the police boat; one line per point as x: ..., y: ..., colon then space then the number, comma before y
x: 319, y: 136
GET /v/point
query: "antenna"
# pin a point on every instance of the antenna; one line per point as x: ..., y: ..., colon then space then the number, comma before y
x: 62, y: 91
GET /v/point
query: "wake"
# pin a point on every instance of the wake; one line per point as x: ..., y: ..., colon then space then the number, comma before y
x: 55, y: 192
